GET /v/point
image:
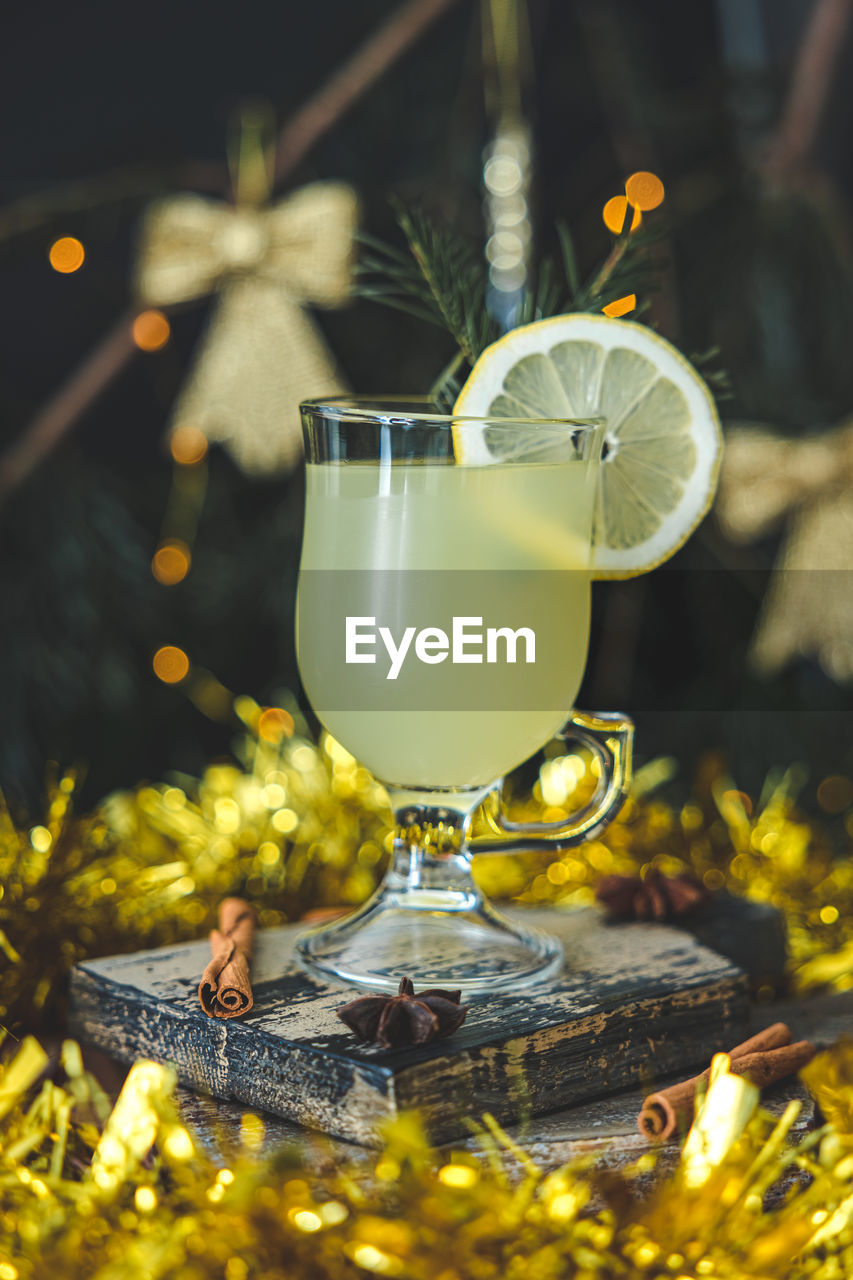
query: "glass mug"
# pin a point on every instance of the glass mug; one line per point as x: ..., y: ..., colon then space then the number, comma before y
x: 442, y: 626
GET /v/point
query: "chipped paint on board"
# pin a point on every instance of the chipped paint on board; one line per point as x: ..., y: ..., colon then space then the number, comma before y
x: 583, y: 1034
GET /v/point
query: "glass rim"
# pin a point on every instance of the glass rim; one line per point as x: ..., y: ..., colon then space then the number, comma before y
x: 387, y: 410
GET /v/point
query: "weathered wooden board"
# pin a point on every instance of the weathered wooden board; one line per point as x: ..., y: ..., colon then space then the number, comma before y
x: 628, y: 995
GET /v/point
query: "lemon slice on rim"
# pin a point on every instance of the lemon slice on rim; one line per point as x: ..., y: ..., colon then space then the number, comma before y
x: 662, y: 438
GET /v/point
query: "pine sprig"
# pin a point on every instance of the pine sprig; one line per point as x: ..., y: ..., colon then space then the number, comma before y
x: 455, y: 277
x: 442, y: 278
x: 628, y: 268
x: 708, y: 365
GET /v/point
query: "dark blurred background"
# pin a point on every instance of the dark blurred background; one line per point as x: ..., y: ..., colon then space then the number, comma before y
x: 106, y: 107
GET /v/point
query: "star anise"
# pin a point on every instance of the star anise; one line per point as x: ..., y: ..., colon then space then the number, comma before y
x: 654, y: 897
x: 395, y: 1021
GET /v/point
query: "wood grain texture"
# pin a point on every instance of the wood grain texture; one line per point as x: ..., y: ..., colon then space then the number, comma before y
x: 628, y: 995
x: 605, y: 1129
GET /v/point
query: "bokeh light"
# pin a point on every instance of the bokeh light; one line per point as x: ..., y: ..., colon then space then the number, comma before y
x: 171, y: 664
x: 188, y: 445
x: 835, y: 793
x: 614, y: 213
x: 739, y: 799
x: 502, y: 174
x: 458, y: 1175
x: 66, y: 255
x: 151, y: 330
x: 621, y: 306
x: 171, y: 562
x: 145, y: 1199
x: 644, y: 190
x: 506, y: 178
x: 274, y: 724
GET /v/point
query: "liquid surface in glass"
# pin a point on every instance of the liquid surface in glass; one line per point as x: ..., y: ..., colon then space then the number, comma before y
x: 495, y: 519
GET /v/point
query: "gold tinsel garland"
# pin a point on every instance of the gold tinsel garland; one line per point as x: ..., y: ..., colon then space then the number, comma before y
x: 130, y: 1194
x: 291, y: 824
x: 767, y: 850
x: 296, y: 825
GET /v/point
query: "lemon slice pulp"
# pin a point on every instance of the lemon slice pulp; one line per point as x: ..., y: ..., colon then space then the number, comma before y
x: 661, y: 434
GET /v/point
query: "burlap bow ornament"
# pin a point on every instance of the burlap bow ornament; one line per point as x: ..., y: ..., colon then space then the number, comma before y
x: 263, y: 352
x: 808, y: 607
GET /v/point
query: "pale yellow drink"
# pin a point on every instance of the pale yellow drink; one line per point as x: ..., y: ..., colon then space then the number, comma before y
x: 504, y: 520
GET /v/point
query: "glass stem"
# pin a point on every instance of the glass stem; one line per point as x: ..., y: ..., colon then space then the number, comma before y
x: 418, y: 875
x: 431, y: 867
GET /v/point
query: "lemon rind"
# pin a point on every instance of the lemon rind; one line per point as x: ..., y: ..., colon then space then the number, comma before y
x: 613, y: 564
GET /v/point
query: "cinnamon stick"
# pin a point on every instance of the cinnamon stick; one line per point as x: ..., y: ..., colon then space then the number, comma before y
x: 225, y: 990
x: 763, y: 1058
x: 764, y: 1069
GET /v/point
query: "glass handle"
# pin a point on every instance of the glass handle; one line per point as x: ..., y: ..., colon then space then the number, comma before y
x: 610, y: 736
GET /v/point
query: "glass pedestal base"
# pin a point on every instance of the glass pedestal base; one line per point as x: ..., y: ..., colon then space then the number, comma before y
x: 428, y: 921
x: 436, y: 939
